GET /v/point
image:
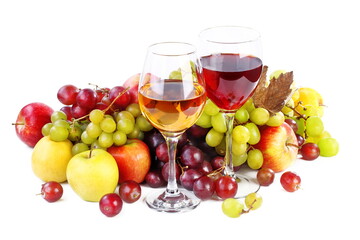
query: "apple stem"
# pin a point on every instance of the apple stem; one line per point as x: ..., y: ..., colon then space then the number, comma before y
x: 17, y: 123
x: 90, y: 153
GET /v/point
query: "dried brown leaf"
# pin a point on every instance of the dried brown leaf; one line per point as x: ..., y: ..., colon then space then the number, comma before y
x: 273, y: 98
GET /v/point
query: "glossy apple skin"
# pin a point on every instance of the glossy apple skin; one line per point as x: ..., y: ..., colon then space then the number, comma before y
x: 133, y: 160
x: 30, y: 121
x: 133, y: 83
x: 278, y: 146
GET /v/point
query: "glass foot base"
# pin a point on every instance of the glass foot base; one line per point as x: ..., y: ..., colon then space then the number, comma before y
x: 171, y: 202
x: 245, y: 186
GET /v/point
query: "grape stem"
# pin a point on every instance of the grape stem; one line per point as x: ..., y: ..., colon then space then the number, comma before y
x: 249, y: 209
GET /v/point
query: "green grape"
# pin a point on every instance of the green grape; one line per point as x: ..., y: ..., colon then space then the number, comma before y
x: 204, y: 121
x: 143, y: 124
x: 74, y: 133
x: 231, y: 207
x: 176, y: 74
x: 314, y: 126
x: 85, y: 138
x: 58, y: 133
x: 255, y: 159
x: 287, y: 108
x: 241, y: 134
x: 276, y: 120
x: 301, y: 126
x: 45, y: 130
x: 259, y: 116
x: 210, y: 108
x: 213, y: 138
x: 125, y: 115
x: 239, y: 148
x: 108, y: 125
x: 329, y: 147
x: 78, y: 148
x: 254, y: 133
x: 119, y: 138
x: 62, y: 123
x: 218, y: 122
x: 125, y: 125
x: 57, y: 115
x: 134, y: 109
x: 276, y: 74
x: 221, y: 148
x: 135, y: 133
x: 96, y: 145
x: 242, y: 115
x: 93, y: 130
x: 238, y: 160
x: 105, y: 140
x: 253, y: 201
x: 249, y: 105
x: 96, y: 116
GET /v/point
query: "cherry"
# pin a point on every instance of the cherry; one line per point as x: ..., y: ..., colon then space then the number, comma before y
x: 130, y: 191
x: 110, y: 204
x: 290, y: 181
x: 51, y: 191
x: 265, y: 176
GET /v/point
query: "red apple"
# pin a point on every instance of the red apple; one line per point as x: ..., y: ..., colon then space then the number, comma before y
x: 279, y: 147
x: 133, y: 160
x: 133, y: 83
x: 30, y: 121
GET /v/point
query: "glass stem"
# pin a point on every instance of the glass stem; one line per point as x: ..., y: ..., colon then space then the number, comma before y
x: 229, y: 168
x: 172, y: 188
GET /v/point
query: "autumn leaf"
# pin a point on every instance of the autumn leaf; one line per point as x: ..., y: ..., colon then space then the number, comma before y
x: 274, y: 96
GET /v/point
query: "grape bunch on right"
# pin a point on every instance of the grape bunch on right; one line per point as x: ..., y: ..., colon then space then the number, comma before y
x: 302, y: 112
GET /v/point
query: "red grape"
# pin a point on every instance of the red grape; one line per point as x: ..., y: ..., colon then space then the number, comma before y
x: 162, y: 152
x: 204, y: 187
x: 188, y: 178
x: 300, y: 139
x: 217, y: 162
x: 226, y: 187
x: 67, y: 94
x: 86, y: 98
x: 292, y: 123
x: 123, y: 100
x: 290, y: 181
x: 67, y: 111
x: 51, y: 191
x: 130, y: 191
x: 165, y: 171
x: 154, y: 179
x: 205, y: 168
x: 77, y: 111
x: 191, y: 156
x: 110, y: 204
x: 309, y: 151
x: 265, y: 176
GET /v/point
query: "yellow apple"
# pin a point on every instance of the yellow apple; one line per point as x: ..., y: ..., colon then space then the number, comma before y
x: 92, y: 174
x: 49, y: 159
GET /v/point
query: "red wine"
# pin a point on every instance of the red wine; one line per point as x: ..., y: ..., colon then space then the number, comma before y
x: 230, y: 78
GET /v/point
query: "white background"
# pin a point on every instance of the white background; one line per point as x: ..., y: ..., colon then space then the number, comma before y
x: 46, y: 44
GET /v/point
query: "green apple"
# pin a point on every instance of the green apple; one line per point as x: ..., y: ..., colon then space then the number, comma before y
x: 92, y: 174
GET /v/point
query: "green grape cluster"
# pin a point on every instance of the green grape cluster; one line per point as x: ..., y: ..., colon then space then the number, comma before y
x: 98, y: 130
x: 245, y: 132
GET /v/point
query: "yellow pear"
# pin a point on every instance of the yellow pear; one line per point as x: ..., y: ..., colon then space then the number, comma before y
x: 50, y: 159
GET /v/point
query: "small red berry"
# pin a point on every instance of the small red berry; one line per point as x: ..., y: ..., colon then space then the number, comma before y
x: 51, y: 191
x: 110, y: 204
x: 290, y: 181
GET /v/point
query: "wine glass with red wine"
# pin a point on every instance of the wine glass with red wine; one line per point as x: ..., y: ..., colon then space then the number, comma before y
x: 232, y: 65
x: 172, y: 97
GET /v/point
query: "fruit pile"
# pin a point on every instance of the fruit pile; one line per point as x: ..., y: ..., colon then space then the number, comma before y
x: 101, y: 139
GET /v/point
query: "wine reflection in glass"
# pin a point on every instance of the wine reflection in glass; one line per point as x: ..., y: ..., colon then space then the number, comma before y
x: 172, y: 97
x: 232, y: 65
